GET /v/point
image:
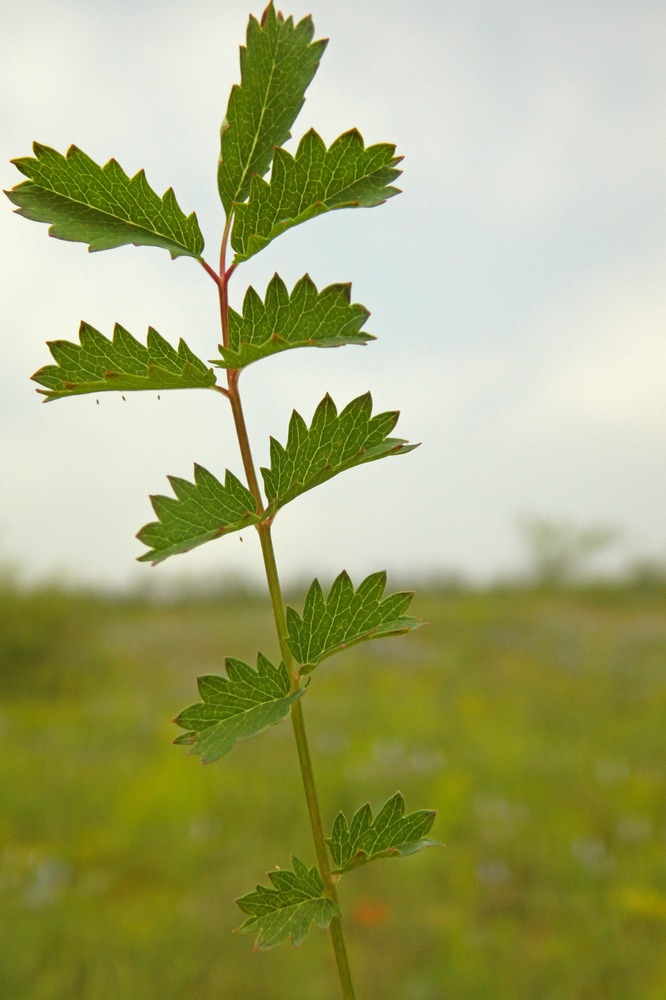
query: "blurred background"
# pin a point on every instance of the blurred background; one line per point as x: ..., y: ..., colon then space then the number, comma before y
x: 531, y: 718
x: 517, y: 291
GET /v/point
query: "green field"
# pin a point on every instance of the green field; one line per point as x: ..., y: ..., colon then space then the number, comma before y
x: 533, y: 721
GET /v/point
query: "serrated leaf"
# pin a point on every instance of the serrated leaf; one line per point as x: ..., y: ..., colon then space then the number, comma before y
x: 332, y: 443
x: 295, y: 901
x: 122, y: 364
x: 345, y: 618
x: 199, y: 512
x: 236, y: 707
x: 101, y: 206
x: 315, y: 180
x: 306, y: 318
x: 277, y: 65
x: 391, y: 834
x: 207, y: 509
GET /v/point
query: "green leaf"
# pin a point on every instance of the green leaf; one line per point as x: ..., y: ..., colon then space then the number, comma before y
x: 316, y: 180
x: 199, y: 512
x: 306, y: 318
x: 122, y: 364
x: 207, y: 509
x: 236, y: 707
x: 276, y: 69
x: 333, y: 442
x: 101, y: 206
x: 286, y: 910
x: 391, y: 834
x: 346, y: 617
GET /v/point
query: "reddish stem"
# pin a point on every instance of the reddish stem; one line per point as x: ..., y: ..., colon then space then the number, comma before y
x: 209, y: 270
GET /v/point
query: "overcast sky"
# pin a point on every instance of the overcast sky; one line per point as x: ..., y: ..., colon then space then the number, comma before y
x: 517, y: 286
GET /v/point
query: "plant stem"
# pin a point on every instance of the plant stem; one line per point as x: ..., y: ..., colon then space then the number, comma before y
x: 337, y: 936
x: 297, y: 719
x: 277, y: 603
x: 305, y: 761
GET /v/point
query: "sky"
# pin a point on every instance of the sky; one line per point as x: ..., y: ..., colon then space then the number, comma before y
x: 516, y: 287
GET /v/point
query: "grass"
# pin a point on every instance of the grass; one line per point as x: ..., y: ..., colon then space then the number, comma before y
x: 532, y: 720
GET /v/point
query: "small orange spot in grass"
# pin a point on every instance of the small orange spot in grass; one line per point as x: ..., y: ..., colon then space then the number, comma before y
x: 369, y: 913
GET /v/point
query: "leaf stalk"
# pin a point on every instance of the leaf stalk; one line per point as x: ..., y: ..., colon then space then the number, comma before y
x: 210, y: 270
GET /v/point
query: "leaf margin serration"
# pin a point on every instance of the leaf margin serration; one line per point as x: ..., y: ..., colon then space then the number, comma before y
x: 381, y: 446
x: 33, y: 197
x: 347, y: 835
x: 287, y: 41
x: 290, y: 175
x: 326, y: 909
x: 212, y: 737
x: 304, y: 631
x: 59, y: 383
x: 166, y: 508
x: 283, y: 312
x: 357, y: 411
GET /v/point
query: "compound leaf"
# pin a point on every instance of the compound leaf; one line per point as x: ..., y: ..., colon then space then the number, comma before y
x: 101, y: 206
x: 391, y: 834
x: 315, y: 180
x: 346, y: 617
x: 306, y: 318
x: 199, y: 512
x: 295, y: 901
x: 122, y: 364
x: 333, y: 442
x: 236, y: 707
x: 277, y: 65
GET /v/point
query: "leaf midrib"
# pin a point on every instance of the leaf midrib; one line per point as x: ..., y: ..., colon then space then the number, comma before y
x: 258, y: 130
x: 363, y: 177
x: 323, y: 204
x: 109, y: 215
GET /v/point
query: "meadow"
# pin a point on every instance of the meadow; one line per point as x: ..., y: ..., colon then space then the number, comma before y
x: 532, y: 719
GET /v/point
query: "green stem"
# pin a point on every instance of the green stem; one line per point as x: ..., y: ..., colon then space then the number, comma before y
x: 277, y: 603
x: 337, y: 936
x: 297, y: 719
x: 305, y: 761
